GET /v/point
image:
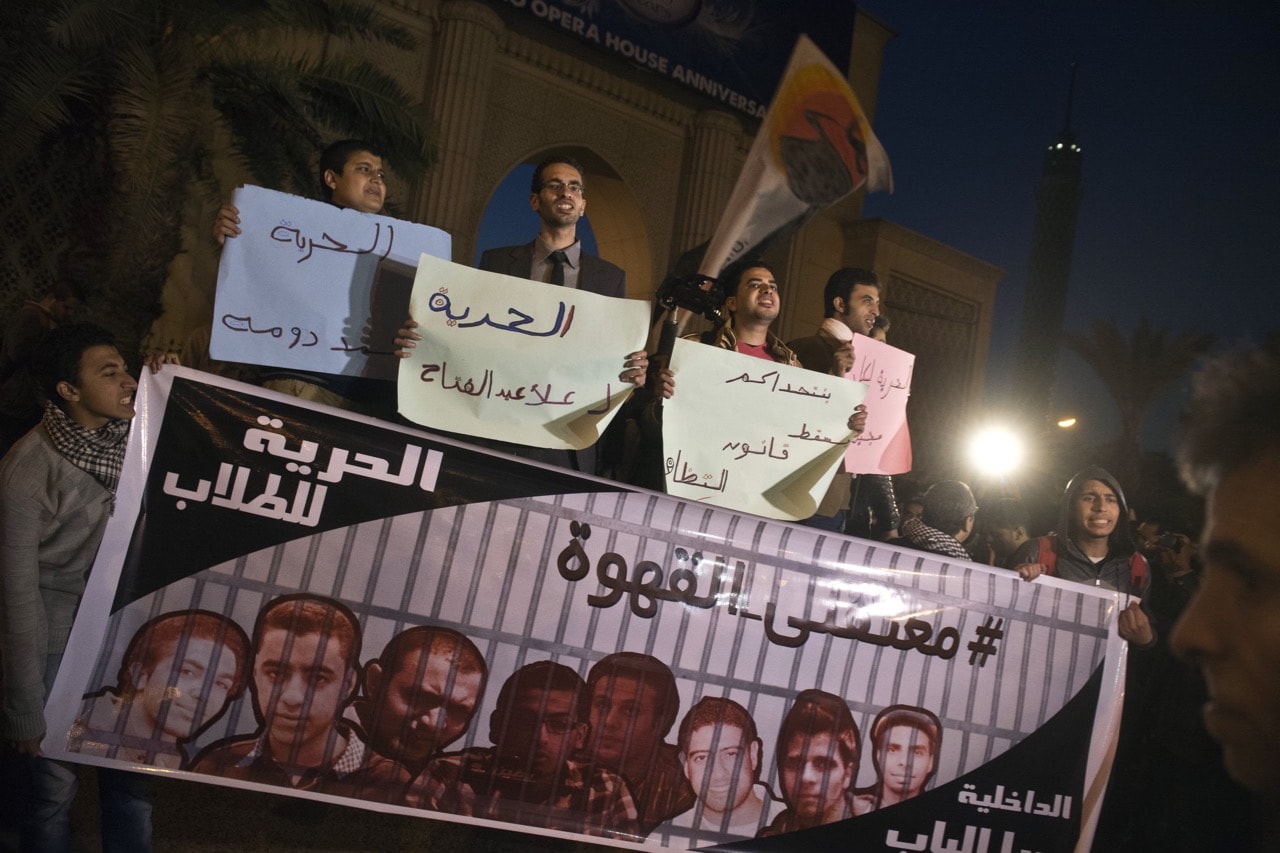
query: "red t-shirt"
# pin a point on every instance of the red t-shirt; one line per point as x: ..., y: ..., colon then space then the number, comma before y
x: 758, y: 351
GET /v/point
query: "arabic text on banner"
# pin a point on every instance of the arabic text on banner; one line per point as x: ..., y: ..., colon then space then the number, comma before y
x: 233, y: 498
x: 316, y: 287
x: 885, y: 445
x: 515, y: 360
x: 752, y: 435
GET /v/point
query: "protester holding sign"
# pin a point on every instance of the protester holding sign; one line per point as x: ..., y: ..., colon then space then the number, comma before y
x: 779, y: 461
x: 851, y: 306
x: 351, y: 177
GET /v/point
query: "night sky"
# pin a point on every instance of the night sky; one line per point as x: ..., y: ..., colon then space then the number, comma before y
x: 1177, y: 109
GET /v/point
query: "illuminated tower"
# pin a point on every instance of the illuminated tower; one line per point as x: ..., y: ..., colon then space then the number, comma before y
x: 1040, y: 336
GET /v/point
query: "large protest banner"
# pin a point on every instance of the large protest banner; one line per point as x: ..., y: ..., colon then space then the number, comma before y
x: 238, y: 507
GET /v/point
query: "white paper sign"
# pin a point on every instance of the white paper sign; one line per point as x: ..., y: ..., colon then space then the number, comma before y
x: 311, y: 286
x: 516, y: 360
x: 752, y: 435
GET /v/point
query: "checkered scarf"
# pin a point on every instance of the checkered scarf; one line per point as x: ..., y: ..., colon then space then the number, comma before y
x: 98, y: 452
x: 917, y: 534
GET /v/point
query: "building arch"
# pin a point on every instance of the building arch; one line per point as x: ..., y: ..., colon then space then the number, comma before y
x: 617, y: 220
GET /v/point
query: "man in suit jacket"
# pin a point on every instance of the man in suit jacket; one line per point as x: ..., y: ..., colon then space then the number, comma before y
x: 558, y: 196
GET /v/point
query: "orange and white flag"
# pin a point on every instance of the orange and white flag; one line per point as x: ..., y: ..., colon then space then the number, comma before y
x: 814, y: 147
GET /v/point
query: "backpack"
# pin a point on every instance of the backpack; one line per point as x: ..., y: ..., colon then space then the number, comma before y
x: 1137, y: 565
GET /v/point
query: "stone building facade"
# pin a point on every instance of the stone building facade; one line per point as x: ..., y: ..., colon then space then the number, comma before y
x: 505, y: 89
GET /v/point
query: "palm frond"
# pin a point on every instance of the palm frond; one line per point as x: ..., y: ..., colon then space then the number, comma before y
x: 41, y: 92
x: 354, y: 98
x: 267, y: 118
x: 90, y: 24
x: 346, y: 19
x: 1137, y: 369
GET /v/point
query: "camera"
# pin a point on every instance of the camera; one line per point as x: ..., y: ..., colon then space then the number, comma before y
x: 1170, y: 541
x: 700, y: 294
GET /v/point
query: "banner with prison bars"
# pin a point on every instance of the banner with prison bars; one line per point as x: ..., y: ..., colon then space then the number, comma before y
x: 295, y: 599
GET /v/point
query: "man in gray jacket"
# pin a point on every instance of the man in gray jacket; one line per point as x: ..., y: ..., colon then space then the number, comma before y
x: 57, y: 490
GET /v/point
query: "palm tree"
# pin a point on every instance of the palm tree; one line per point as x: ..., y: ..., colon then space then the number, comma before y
x: 128, y: 103
x: 1135, y: 371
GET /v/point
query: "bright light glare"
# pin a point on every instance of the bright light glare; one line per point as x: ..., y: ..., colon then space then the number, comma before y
x: 996, y: 451
x: 1067, y: 423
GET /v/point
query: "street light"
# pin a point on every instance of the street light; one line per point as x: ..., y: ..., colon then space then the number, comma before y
x: 996, y: 451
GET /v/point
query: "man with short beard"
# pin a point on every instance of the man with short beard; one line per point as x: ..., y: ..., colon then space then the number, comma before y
x: 753, y: 303
x: 558, y: 194
x: 420, y: 694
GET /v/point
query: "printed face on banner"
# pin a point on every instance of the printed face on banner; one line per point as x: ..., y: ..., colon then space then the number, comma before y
x: 178, y: 695
x: 721, y: 766
x: 414, y: 715
x: 301, y: 681
x: 539, y: 732
x: 815, y: 777
x: 625, y: 721
x: 906, y: 759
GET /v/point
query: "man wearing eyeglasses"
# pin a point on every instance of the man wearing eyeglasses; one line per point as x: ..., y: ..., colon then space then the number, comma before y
x: 529, y: 776
x: 559, y: 196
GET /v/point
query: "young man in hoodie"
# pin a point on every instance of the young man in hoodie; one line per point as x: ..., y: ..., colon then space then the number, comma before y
x: 1097, y: 549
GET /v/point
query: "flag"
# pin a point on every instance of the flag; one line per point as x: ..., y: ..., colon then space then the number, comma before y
x: 814, y: 147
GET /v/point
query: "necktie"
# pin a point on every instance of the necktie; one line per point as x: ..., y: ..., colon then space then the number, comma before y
x: 557, y: 259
